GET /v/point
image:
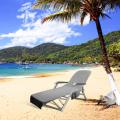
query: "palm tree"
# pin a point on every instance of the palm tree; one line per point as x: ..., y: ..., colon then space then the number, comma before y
x: 66, y: 10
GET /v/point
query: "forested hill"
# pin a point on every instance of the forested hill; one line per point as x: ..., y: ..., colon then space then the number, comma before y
x: 46, y: 48
x: 87, y: 52
x: 19, y: 52
x: 55, y: 53
x: 12, y: 52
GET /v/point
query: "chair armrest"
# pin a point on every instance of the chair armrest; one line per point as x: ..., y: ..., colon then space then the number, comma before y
x: 59, y: 82
x: 79, y: 83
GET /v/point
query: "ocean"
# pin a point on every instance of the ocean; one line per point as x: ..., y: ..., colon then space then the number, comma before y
x: 13, y: 69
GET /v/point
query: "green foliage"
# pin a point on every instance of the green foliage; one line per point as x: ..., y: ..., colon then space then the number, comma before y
x: 114, y: 49
x: 29, y: 54
x: 114, y: 54
x: 46, y: 48
x: 87, y: 52
x: 12, y: 52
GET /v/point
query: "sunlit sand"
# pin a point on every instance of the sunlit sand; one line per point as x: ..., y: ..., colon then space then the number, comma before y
x: 15, y: 94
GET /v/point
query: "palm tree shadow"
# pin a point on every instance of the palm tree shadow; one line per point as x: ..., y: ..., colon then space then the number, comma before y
x: 59, y: 109
x: 89, y: 100
x: 96, y: 103
x: 93, y: 102
x: 104, y: 107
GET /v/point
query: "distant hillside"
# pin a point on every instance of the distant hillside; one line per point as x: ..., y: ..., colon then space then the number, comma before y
x: 87, y: 52
x: 12, y: 52
x: 19, y: 52
x: 55, y: 53
x: 46, y: 48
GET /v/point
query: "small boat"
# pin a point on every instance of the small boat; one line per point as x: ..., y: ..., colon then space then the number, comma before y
x: 26, y: 67
x: 19, y: 62
x: 24, y: 63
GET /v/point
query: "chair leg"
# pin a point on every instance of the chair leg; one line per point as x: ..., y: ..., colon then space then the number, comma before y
x: 83, y: 93
x: 56, y: 104
x: 66, y: 99
x: 64, y: 105
x: 85, y: 97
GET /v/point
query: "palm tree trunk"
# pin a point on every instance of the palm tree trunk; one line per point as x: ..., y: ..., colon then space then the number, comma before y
x: 106, y: 62
x: 103, y: 47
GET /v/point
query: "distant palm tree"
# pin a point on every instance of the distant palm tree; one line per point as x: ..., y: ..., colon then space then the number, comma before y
x: 66, y: 10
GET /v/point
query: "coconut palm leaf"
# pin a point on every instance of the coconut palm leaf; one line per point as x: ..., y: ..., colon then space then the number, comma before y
x: 83, y: 15
x: 64, y: 16
x: 58, y: 4
x: 95, y: 8
x: 103, y: 15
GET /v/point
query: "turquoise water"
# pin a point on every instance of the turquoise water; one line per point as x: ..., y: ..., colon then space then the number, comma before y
x: 12, y: 69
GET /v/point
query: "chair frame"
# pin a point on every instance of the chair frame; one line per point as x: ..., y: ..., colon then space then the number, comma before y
x: 75, y: 89
x: 67, y: 98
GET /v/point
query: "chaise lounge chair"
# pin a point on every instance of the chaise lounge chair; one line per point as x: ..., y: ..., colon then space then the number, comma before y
x: 71, y: 89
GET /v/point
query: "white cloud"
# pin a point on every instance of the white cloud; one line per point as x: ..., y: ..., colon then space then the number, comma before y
x: 77, y: 20
x: 48, y: 32
x: 33, y: 32
x: 25, y: 6
x: 26, y: 15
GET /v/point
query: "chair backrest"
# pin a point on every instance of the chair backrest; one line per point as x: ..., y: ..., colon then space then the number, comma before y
x: 80, y: 77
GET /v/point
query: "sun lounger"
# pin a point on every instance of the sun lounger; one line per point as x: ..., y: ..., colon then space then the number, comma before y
x: 71, y: 89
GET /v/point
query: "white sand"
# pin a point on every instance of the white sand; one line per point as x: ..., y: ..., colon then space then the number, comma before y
x: 15, y: 94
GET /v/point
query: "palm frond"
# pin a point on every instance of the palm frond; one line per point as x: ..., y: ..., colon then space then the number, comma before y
x: 103, y: 15
x: 46, y: 4
x: 57, y: 4
x: 67, y: 9
x: 64, y: 16
x: 83, y: 15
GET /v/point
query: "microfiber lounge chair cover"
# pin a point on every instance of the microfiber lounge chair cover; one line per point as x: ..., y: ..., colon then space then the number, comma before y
x: 73, y: 86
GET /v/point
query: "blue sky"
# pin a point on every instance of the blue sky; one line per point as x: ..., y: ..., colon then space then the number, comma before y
x: 20, y: 25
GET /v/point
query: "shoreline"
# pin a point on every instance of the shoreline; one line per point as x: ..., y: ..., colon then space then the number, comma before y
x: 47, y: 74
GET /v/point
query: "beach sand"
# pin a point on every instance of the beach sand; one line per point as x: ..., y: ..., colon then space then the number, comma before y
x: 15, y: 96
